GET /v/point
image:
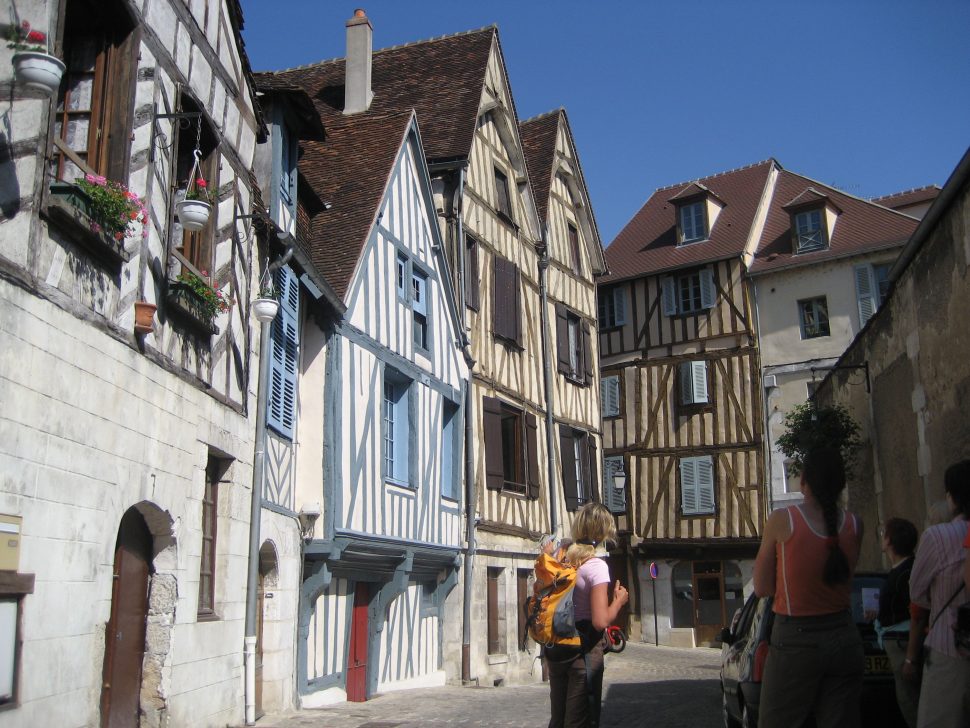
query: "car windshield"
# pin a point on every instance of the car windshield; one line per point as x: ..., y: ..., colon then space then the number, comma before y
x: 865, y: 594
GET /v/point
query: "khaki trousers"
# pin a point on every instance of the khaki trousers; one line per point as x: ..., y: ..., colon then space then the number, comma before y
x: 907, y: 693
x: 944, y: 699
x: 814, y: 664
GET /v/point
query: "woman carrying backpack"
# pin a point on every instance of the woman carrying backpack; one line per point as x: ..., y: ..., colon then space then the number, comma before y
x: 576, y: 681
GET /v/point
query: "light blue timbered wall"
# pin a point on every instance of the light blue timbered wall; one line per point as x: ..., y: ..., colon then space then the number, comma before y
x: 409, y: 641
x: 328, y: 638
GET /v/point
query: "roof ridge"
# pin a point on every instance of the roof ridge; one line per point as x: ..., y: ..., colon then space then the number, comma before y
x: 905, y: 192
x: 847, y: 194
x: 544, y: 114
x: 718, y: 174
x: 335, y: 59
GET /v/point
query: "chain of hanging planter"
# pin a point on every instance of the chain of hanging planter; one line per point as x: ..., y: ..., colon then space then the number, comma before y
x: 195, y: 206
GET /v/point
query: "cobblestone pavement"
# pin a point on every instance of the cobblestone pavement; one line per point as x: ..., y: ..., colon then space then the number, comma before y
x: 660, y: 687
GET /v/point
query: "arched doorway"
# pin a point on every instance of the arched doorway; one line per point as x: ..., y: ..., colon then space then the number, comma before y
x: 125, y: 633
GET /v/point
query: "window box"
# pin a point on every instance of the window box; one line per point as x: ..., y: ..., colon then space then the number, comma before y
x: 183, y: 301
x: 69, y: 207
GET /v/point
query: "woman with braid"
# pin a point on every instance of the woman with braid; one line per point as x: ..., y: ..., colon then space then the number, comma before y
x: 807, y: 557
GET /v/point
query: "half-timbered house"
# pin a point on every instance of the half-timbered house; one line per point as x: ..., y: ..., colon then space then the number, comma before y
x: 127, y: 445
x: 682, y: 397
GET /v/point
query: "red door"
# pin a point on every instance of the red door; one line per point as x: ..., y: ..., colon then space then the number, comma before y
x: 125, y: 635
x: 357, y: 656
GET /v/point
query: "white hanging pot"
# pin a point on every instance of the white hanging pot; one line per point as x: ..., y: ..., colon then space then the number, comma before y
x: 38, y: 70
x: 193, y: 214
x: 265, y: 309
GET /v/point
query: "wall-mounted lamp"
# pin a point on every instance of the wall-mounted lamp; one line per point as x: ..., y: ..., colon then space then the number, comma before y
x: 308, y: 517
x: 327, y: 205
x: 619, y: 479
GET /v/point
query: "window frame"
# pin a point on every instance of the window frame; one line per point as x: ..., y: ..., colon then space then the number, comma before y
x: 472, y: 276
x: 494, y: 614
x: 611, y: 307
x: 420, y: 318
x: 606, y: 382
x: 209, y: 533
x: 696, y: 212
x: 281, y: 404
x: 672, y: 291
x: 399, y: 416
x: 506, y: 301
x: 451, y: 446
x: 503, y: 196
x: 689, y: 477
x: 496, y: 416
x: 614, y: 498
x: 803, y: 241
x: 577, y: 457
x: 692, y: 394
x: 572, y: 233
x: 802, y: 321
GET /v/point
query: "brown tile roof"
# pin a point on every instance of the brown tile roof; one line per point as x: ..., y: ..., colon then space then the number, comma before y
x: 807, y: 196
x: 441, y: 79
x: 648, y: 243
x: 350, y: 170
x: 861, y: 226
x: 900, y: 200
x: 538, y: 136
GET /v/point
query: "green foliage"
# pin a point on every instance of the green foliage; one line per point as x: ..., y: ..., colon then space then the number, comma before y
x: 808, y: 427
x: 113, y: 209
x: 207, y: 300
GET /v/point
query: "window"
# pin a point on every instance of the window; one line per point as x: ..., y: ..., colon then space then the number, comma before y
x: 613, y: 498
x: 809, y: 232
x: 610, y: 395
x: 285, y: 170
x: 402, y: 277
x: 693, y: 382
x: 810, y: 388
x: 284, y: 348
x: 396, y: 416
x: 419, y: 309
x: 813, y: 315
x: 573, y: 346
x: 522, y: 593
x: 506, y: 301
x: 693, y: 222
x: 697, y: 486
x: 871, y: 287
x: 207, y: 563
x: 574, y: 249
x: 450, y: 450
x: 612, y: 307
x: 495, y: 600
x: 689, y: 292
x: 472, y: 277
x: 196, y: 247
x: 577, y: 451
x: 10, y: 645
x: 95, y: 105
x: 511, y: 448
x: 503, y: 200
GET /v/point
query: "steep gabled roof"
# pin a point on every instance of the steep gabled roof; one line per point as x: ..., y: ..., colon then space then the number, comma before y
x: 908, y: 198
x: 648, y: 243
x: 808, y: 196
x: 350, y: 171
x: 441, y: 79
x: 860, y: 226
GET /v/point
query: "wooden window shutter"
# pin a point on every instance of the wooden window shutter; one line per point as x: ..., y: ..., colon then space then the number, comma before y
x: 516, y: 313
x: 619, y: 306
x: 865, y: 292
x: 590, y: 475
x: 285, y: 344
x: 567, y: 451
x: 522, y: 593
x: 532, y: 454
x: 669, y: 288
x: 588, y: 363
x: 603, y: 308
x: 472, y: 278
x: 685, y: 379
x: 562, y: 340
x: 120, y: 98
x: 708, y: 291
x: 614, y: 498
x: 688, y: 486
x: 505, y: 299
x: 698, y: 378
x: 610, y: 395
x: 705, y: 484
x: 494, y: 639
x: 492, y: 421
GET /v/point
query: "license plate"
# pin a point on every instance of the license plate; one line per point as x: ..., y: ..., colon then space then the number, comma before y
x: 877, y: 665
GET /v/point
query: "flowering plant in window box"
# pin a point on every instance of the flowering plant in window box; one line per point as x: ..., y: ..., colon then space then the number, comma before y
x: 199, y: 296
x: 112, y: 207
x: 33, y: 65
x: 194, y: 208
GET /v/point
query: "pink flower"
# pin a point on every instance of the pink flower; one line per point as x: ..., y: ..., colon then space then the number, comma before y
x: 36, y: 36
x: 200, y: 182
x: 118, y: 236
x: 25, y: 25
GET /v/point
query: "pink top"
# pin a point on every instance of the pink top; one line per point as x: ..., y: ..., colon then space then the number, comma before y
x: 800, y: 590
x: 592, y: 573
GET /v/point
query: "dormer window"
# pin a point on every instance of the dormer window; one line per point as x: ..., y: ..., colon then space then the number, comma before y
x: 813, y: 216
x: 693, y: 222
x: 809, y: 231
x: 697, y: 210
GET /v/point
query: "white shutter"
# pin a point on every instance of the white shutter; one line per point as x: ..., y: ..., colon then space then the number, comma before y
x: 615, y: 498
x: 705, y: 485
x: 865, y: 291
x: 619, y: 307
x: 669, y: 286
x: 686, y: 388
x: 699, y: 381
x: 610, y: 395
x: 708, y: 292
x: 688, y: 486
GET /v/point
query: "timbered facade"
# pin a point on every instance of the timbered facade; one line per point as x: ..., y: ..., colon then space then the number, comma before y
x: 682, y: 398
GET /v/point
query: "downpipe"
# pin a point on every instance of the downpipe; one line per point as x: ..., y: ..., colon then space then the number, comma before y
x: 547, y: 384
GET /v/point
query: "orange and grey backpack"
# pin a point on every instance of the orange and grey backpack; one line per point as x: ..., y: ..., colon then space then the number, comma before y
x: 549, y: 611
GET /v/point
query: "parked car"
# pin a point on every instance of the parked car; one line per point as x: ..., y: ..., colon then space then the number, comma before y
x: 744, y: 649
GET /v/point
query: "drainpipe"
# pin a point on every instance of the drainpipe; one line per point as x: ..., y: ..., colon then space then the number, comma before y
x: 547, y: 384
x: 257, y: 502
x: 767, y: 449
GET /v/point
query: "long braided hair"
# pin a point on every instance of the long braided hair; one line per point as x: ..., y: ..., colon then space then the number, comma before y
x: 824, y: 471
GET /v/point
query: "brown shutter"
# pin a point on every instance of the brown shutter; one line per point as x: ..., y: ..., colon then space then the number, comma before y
x: 494, y: 643
x: 587, y: 354
x: 120, y: 99
x: 567, y: 454
x: 494, y: 462
x: 532, y: 454
x: 591, y: 468
x: 516, y: 309
x: 500, y: 298
x: 522, y: 593
x: 562, y: 339
x: 471, y: 273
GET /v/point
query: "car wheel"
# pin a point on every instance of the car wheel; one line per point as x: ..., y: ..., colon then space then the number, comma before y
x: 726, y: 717
x: 747, y: 718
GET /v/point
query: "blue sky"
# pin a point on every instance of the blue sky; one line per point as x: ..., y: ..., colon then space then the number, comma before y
x: 871, y: 96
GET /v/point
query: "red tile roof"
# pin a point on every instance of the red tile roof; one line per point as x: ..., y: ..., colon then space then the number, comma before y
x: 648, y: 243
x: 908, y: 198
x: 861, y: 226
x: 538, y: 136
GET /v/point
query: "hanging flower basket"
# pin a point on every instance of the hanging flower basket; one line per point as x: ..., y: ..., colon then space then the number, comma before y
x: 37, y: 70
x: 144, y: 317
x: 193, y: 214
x: 265, y: 309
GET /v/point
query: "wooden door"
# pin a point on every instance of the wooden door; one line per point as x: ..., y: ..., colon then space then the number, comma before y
x: 357, y: 654
x: 260, y: 606
x: 708, y: 608
x: 125, y: 634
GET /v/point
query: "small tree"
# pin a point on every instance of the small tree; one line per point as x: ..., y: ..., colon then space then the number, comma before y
x: 808, y: 427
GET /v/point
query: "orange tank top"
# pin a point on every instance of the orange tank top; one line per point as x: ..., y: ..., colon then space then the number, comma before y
x: 800, y: 590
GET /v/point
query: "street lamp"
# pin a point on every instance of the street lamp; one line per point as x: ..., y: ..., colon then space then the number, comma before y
x: 619, y: 478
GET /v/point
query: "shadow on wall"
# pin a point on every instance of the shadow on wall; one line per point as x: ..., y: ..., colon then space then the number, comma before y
x: 9, y: 184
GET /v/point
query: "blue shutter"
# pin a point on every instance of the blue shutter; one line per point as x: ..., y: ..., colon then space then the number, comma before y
x: 284, y: 348
x: 668, y: 285
x: 705, y: 484
x: 708, y: 291
x: 619, y: 307
x: 688, y: 486
x: 613, y: 498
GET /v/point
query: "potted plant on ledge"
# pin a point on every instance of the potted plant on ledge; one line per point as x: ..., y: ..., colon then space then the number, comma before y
x: 33, y: 65
x: 193, y: 297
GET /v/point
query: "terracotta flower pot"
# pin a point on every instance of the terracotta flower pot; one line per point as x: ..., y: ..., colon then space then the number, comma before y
x: 193, y: 214
x: 144, y: 317
x: 37, y: 70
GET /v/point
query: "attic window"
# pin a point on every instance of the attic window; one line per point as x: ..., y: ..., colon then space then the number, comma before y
x: 502, y: 196
x: 692, y: 222
x: 809, y: 230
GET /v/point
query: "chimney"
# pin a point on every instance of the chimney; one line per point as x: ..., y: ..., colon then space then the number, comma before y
x: 357, y: 91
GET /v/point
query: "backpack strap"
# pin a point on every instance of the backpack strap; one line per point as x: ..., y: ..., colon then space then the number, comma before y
x: 948, y: 602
